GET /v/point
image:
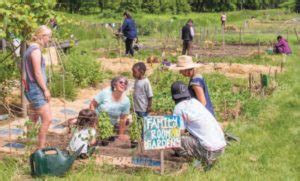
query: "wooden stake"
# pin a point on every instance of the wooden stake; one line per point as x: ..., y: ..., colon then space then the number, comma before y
x: 240, y: 37
x: 23, y: 77
x: 258, y: 46
x: 275, y: 74
x: 295, y: 30
x: 262, y: 88
x: 162, y: 164
x: 281, y: 66
x: 3, y: 45
x: 223, y: 35
x: 250, y: 82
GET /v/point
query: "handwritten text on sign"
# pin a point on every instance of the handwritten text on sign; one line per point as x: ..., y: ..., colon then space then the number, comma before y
x: 161, y: 132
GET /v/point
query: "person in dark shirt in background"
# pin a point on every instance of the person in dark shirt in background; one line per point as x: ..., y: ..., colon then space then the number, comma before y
x: 129, y: 31
x: 187, y: 34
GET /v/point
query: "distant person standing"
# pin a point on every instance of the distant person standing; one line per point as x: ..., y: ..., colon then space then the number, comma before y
x: 187, y: 35
x: 129, y: 31
x: 223, y: 19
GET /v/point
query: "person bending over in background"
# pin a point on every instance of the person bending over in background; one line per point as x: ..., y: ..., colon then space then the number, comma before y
x: 115, y: 102
x: 187, y: 35
x: 129, y: 31
x: 282, y: 46
x: 204, y: 140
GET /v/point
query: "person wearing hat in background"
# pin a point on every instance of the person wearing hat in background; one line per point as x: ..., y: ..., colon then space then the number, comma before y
x: 205, y: 139
x: 197, y: 85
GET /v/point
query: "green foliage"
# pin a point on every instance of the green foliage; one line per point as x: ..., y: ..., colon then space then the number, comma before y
x: 32, y: 129
x: 297, y: 6
x: 161, y: 82
x: 151, y: 6
x: 135, y: 129
x: 8, y: 72
x: 57, y: 89
x: 22, y: 19
x: 106, y: 129
x: 84, y: 68
x: 129, y: 6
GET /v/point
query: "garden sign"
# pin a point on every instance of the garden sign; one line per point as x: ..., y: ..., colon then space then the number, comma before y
x: 161, y: 132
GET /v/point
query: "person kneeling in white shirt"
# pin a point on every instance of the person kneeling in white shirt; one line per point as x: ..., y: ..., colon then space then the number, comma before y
x: 205, y: 139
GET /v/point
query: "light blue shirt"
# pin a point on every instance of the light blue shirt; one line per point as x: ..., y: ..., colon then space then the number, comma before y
x: 201, y: 124
x: 113, y: 108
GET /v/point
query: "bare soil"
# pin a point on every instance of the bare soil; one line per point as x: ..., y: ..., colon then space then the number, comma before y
x: 237, y: 70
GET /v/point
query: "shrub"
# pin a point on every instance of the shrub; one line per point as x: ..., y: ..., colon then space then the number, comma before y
x: 8, y: 72
x: 106, y: 129
x: 84, y: 68
x: 56, y: 86
x: 135, y: 128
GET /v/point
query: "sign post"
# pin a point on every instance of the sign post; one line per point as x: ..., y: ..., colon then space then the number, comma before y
x: 160, y: 133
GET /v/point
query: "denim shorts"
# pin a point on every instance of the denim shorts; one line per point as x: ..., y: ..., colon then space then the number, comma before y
x: 35, y: 95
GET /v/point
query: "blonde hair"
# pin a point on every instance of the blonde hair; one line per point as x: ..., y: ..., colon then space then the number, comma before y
x: 39, y: 33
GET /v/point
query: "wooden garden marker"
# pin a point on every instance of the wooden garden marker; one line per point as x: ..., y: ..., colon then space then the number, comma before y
x: 281, y: 66
x: 275, y: 74
x: 162, y: 164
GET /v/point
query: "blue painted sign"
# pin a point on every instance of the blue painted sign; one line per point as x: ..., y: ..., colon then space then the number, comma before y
x: 161, y: 132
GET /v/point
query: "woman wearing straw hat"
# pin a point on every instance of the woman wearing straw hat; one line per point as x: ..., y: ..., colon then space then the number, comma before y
x: 197, y: 85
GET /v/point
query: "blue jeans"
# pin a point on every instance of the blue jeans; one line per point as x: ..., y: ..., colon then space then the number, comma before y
x: 141, y: 114
x: 35, y: 96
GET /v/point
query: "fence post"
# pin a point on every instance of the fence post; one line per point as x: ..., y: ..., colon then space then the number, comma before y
x: 250, y: 83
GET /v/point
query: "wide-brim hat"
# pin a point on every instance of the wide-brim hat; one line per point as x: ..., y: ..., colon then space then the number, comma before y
x: 184, y: 62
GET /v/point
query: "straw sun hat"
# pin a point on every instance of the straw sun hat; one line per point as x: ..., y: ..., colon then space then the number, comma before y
x: 184, y: 62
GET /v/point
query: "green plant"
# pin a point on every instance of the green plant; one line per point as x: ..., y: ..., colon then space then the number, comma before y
x: 106, y: 129
x: 135, y: 128
x: 32, y: 130
x: 84, y: 68
x: 57, y: 83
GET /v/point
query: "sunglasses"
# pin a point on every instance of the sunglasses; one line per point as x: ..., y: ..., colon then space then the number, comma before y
x: 123, y: 82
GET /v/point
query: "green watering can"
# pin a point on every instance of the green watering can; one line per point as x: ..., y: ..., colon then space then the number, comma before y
x: 56, y: 164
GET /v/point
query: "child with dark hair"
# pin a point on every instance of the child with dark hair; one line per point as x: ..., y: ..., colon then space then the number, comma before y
x: 85, y: 132
x: 142, y: 96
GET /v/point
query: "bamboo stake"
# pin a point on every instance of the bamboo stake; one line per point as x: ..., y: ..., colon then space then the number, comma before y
x: 295, y: 30
x: 162, y: 164
x: 250, y: 83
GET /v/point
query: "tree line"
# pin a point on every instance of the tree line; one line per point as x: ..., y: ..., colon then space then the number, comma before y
x: 175, y: 6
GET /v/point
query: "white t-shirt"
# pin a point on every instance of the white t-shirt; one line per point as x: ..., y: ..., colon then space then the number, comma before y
x: 82, y: 137
x: 201, y: 123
